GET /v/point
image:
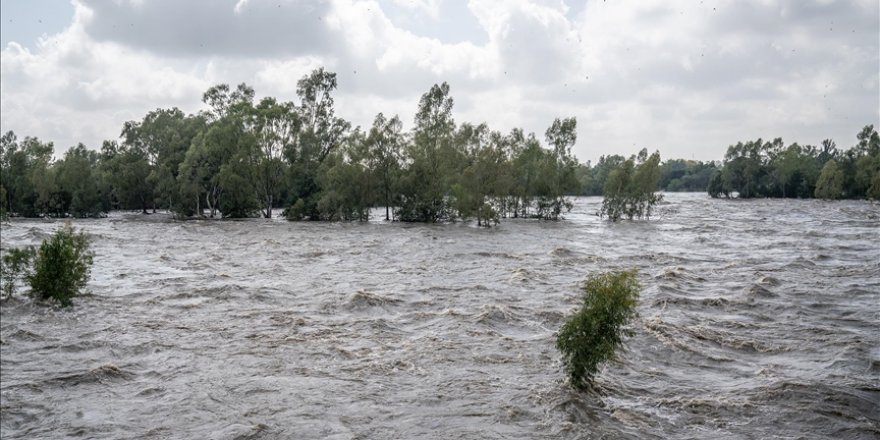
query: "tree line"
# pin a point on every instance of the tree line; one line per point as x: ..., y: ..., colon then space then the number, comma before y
x: 772, y: 169
x: 243, y: 157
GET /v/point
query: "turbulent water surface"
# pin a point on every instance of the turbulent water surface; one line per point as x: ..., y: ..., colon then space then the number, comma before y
x: 758, y: 319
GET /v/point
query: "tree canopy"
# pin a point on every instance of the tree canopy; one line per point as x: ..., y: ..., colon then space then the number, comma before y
x: 242, y: 158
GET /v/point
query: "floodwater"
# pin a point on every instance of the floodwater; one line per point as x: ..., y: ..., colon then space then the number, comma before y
x: 757, y: 319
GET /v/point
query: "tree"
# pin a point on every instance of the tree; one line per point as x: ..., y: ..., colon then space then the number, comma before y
x: 275, y: 126
x: 15, y: 266
x: 127, y: 170
x: 629, y: 190
x: 78, y: 181
x: 561, y: 135
x: 426, y: 183
x: 225, y: 102
x: 163, y: 137
x: 321, y: 133
x: 867, y: 166
x: 528, y: 157
x: 384, y: 143
x: 345, y: 179
x: 485, y: 181
x: 601, y: 171
x: 26, y: 176
x: 62, y: 266
x: 830, y: 183
x: 594, y: 334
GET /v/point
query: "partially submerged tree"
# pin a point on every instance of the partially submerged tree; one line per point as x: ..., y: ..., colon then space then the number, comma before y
x: 62, y: 266
x: 830, y: 183
x: 15, y: 266
x: 595, y: 333
x: 630, y: 189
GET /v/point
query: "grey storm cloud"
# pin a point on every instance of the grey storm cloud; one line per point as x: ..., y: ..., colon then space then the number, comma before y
x: 218, y: 28
x: 686, y: 77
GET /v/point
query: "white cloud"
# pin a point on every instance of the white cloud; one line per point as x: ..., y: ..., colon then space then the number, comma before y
x: 670, y: 74
x: 429, y: 7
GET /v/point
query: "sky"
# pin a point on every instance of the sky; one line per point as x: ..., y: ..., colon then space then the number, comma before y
x: 686, y: 77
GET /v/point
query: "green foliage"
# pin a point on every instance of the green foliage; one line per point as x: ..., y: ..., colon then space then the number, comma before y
x: 629, y: 190
x: 716, y: 186
x: 77, y: 181
x: 15, y: 266
x: 594, y: 334
x: 346, y: 181
x: 685, y: 175
x: 830, y: 183
x: 163, y: 138
x: 126, y: 170
x: 771, y: 169
x: 62, y: 266
x: 427, y: 182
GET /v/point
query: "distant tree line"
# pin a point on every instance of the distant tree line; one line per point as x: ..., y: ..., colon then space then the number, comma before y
x: 675, y: 175
x: 772, y: 169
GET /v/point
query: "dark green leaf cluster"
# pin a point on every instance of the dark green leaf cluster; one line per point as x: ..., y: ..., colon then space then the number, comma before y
x: 15, y: 266
x: 772, y: 169
x: 595, y: 332
x: 629, y: 190
x: 62, y: 266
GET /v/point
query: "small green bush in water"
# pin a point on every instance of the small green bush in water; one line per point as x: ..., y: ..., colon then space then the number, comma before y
x: 15, y: 266
x: 595, y: 332
x: 62, y: 266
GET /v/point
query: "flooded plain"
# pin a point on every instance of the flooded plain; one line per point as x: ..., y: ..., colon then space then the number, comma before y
x: 758, y: 319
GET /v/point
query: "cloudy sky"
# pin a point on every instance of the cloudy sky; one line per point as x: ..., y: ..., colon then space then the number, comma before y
x: 687, y: 77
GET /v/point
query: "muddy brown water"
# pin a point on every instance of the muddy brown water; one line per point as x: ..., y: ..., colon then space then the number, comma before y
x: 758, y: 319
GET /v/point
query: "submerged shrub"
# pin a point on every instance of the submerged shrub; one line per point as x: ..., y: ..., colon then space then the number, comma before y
x: 595, y: 332
x: 15, y: 266
x: 62, y: 266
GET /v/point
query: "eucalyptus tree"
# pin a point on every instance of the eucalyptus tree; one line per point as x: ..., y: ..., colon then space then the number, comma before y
x: 225, y: 156
x: 561, y: 135
x: 745, y: 168
x: 164, y: 136
x: 346, y: 181
x: 630, y: 188
x: 275, y: 126
x: 320, y: 132
x: 795, y: 170
x: 25, y: 174
x: 426, y: 182
x: 223, y: 101
x: 830, y: 182
x: 485, y: 180
x: 199, y: 175
x: 80, y: 183
x: 602, y: 170
x: 867, y: 164
x: 127, y: 169
x: 527, y: 169
x: 384, y: 148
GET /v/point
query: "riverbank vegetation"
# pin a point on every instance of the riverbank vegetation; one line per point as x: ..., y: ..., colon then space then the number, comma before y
x: 243, y: 157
